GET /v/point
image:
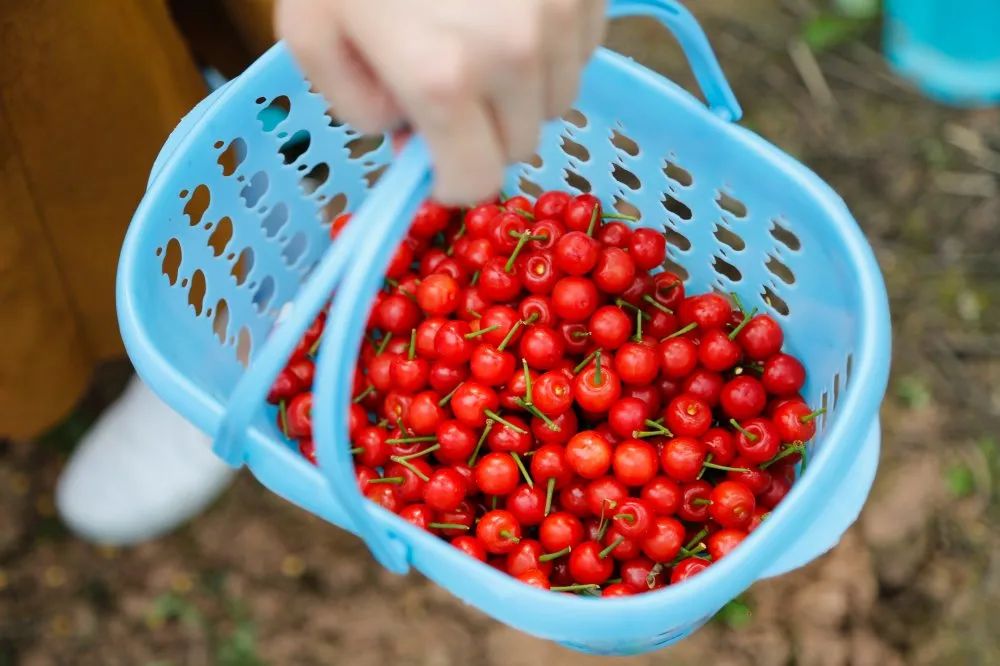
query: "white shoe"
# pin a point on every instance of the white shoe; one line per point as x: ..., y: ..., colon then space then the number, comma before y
x: 141, y: 471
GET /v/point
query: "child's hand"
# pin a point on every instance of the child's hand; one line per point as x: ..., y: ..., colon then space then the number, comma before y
x: 475, y: 77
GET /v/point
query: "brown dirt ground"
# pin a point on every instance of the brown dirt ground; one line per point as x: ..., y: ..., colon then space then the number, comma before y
x: 917, y: 581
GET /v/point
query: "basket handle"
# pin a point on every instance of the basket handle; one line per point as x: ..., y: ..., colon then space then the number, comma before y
x: 685, y: 28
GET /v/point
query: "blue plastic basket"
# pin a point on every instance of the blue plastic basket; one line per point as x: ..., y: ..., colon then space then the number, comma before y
x: 950, y: 49
x: 233, y: 227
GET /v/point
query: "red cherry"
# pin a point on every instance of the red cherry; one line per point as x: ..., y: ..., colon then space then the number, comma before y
x: 470, y: 546
x: 527, y: 504
x: 647, y: 248
x: 641, y: 574
x: 780, y: 485
x: 576, y: 253
x: 721, y: 543
x: 338, y: 224
x: 524, y: 558
x: 427, y: 331
x: 794, y: 422
x: 518, y: 204
x: 538, y: 273
x: 609, y: 327
x: 633, y: 518
x: 621, y: 547
x: 634, y: 462
x: 451, y: 341
x: 496, y: 474
x: 687, y: 568
x: 464, y: 515
x: 636, y: 363
x: 678, y: 357
x: 588, y: 564
x: 708, y: 311
x: 617, y: 590
x: 761, y: 338
x: 471, y: 303
x: 505, y: 439
x: 412, y: 488
x: 400, y: 262
x: 575, y: 336
x: 409, y: 374
x: 374, y: 449
x: 720, y: 444
x: 664, y: 539
x: 615, y: 234
x: 596, y: 389
x: 438, y: 294
x: 550, y: 232
x: 551, y: 204
x: 552, y: 393
x: 444, y: 377
x: 743, y: 397
x: 471, y: 401
x: 573, y: 498
x: 717, y: 352
x: 457, y: 441
x: 663, y: 495
x: 535, y: 578
x: 308, y: 450
x: 445, y: 490
x: 756, y: 479
x: 574, y: 298
x: 668, y: 289
x: 628, y: 415
x: 559, y: 531
x: 480, y: 218
x: 582, y: 213
x: 505, y: 230
x: 397, y: 314
x: 649, y: 395
x: 498, y: 531
x: 783, y: 375
x: 491, y: 366
x: 495, y: 283
x: 682, y: 458
x: 425, y: 414
x: 298, y: 416
x: 541, y: 347
x: 588, y: 454
x: 565, y: 426
x: 687, y: 415
x: 758, y: 440
x: 430, y: 219
x: 385, y: 495
x: 732, y: 504
x: 614, y: 271
x: 538, y: 309
x: 604, y: 496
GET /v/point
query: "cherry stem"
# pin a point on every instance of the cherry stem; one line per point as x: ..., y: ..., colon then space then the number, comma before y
x: 611, y: 546
x: 784, y: 453
x: 510, y: 335
x: 473, y: 281
x: 701, y: 472
x: 739, y: 303
x: 746, y: 320
x: 383, y: 343
x: 521, y: 242
x: 724, y: 468
x: 690, y: 552
x: 527, y: 383
x: 642, y: 434
x: 364, y: 394
x: 548, y: 557
x: 493, y: 502
x: 575, y: 588
x: 482, y: 331
x: 622, y: 303
x: 656, y: 304
x: 411, y: 440
x: 502, y: 196
x: 283, y: 416
x: 356, y: 450
x: 654, y: 571
x: 593, y: 219
x: 627, y: 517
x: 532, y: 318
x: 524, y: 471
x: 479, y: 444
x: 315, y: 346
x: 496, y: 417
x: 619, y: 216
x: 583, y: 364
x: 696, y: 540
x: 656, y: 425
x: 638, y: 325
x: 523, y: 213
x: 412, y: 352
x: 508, y: 535
x: 410, y: 466
x: 394, y: 480
x: 579, y: 335
x: 598, y: 375
x: 447, y: 526
x: 700, y: 501
x: 445, y: 400
x: 550, y: 487
x: 811, y: 416
x: 743, y: 431
x: 458, y: 234
x: 420, y: 454
x: 402, y: 428
x: 683, y: 331
x: 534, y: 411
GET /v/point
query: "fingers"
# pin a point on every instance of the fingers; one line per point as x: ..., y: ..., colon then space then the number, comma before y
x: 518, y: 98
x: 594, y: 26
x: 335, y: 68
x: 563, y: 23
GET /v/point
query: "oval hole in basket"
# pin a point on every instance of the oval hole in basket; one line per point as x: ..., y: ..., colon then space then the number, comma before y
x: 196, y: 294
x: 575, y: 117
x: 363, y: 145
x: 676, y: 206
x: 265, y: 292
x: 232, y: 157
x: 625, y: 143
x: 723, y: 267
x: 295, y: 248
x: 625, y: 177
x: 275, y: 220
x: 785, y: 236
x: 244, y: 264
x: 221, y: 236
x: 536, y: 161
x: 530, y: 187
x: 836, y: 390
x: 824, y: 403
x: 730, y: 238
x: 274, y: 113
x: 335, y: 207
x: 254, y: 190
x: 220, y: 324
x: 849, y: 370
x: 625, y: 208
x: 777, y: 302
x: 316, y: 178
x: 295, y: 147
x: 676, y: 239
x: 678, y: 174
x: 576, y: 181
x: 779, y: 269
x: 573, y: 149
x: 197, y: 205
x: 731, y: 204
x: 172, y: 260
x: 373, y: 176
x: 243, y: 346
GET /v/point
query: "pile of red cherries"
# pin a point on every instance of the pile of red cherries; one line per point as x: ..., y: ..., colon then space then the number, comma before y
x: 536, y: 390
